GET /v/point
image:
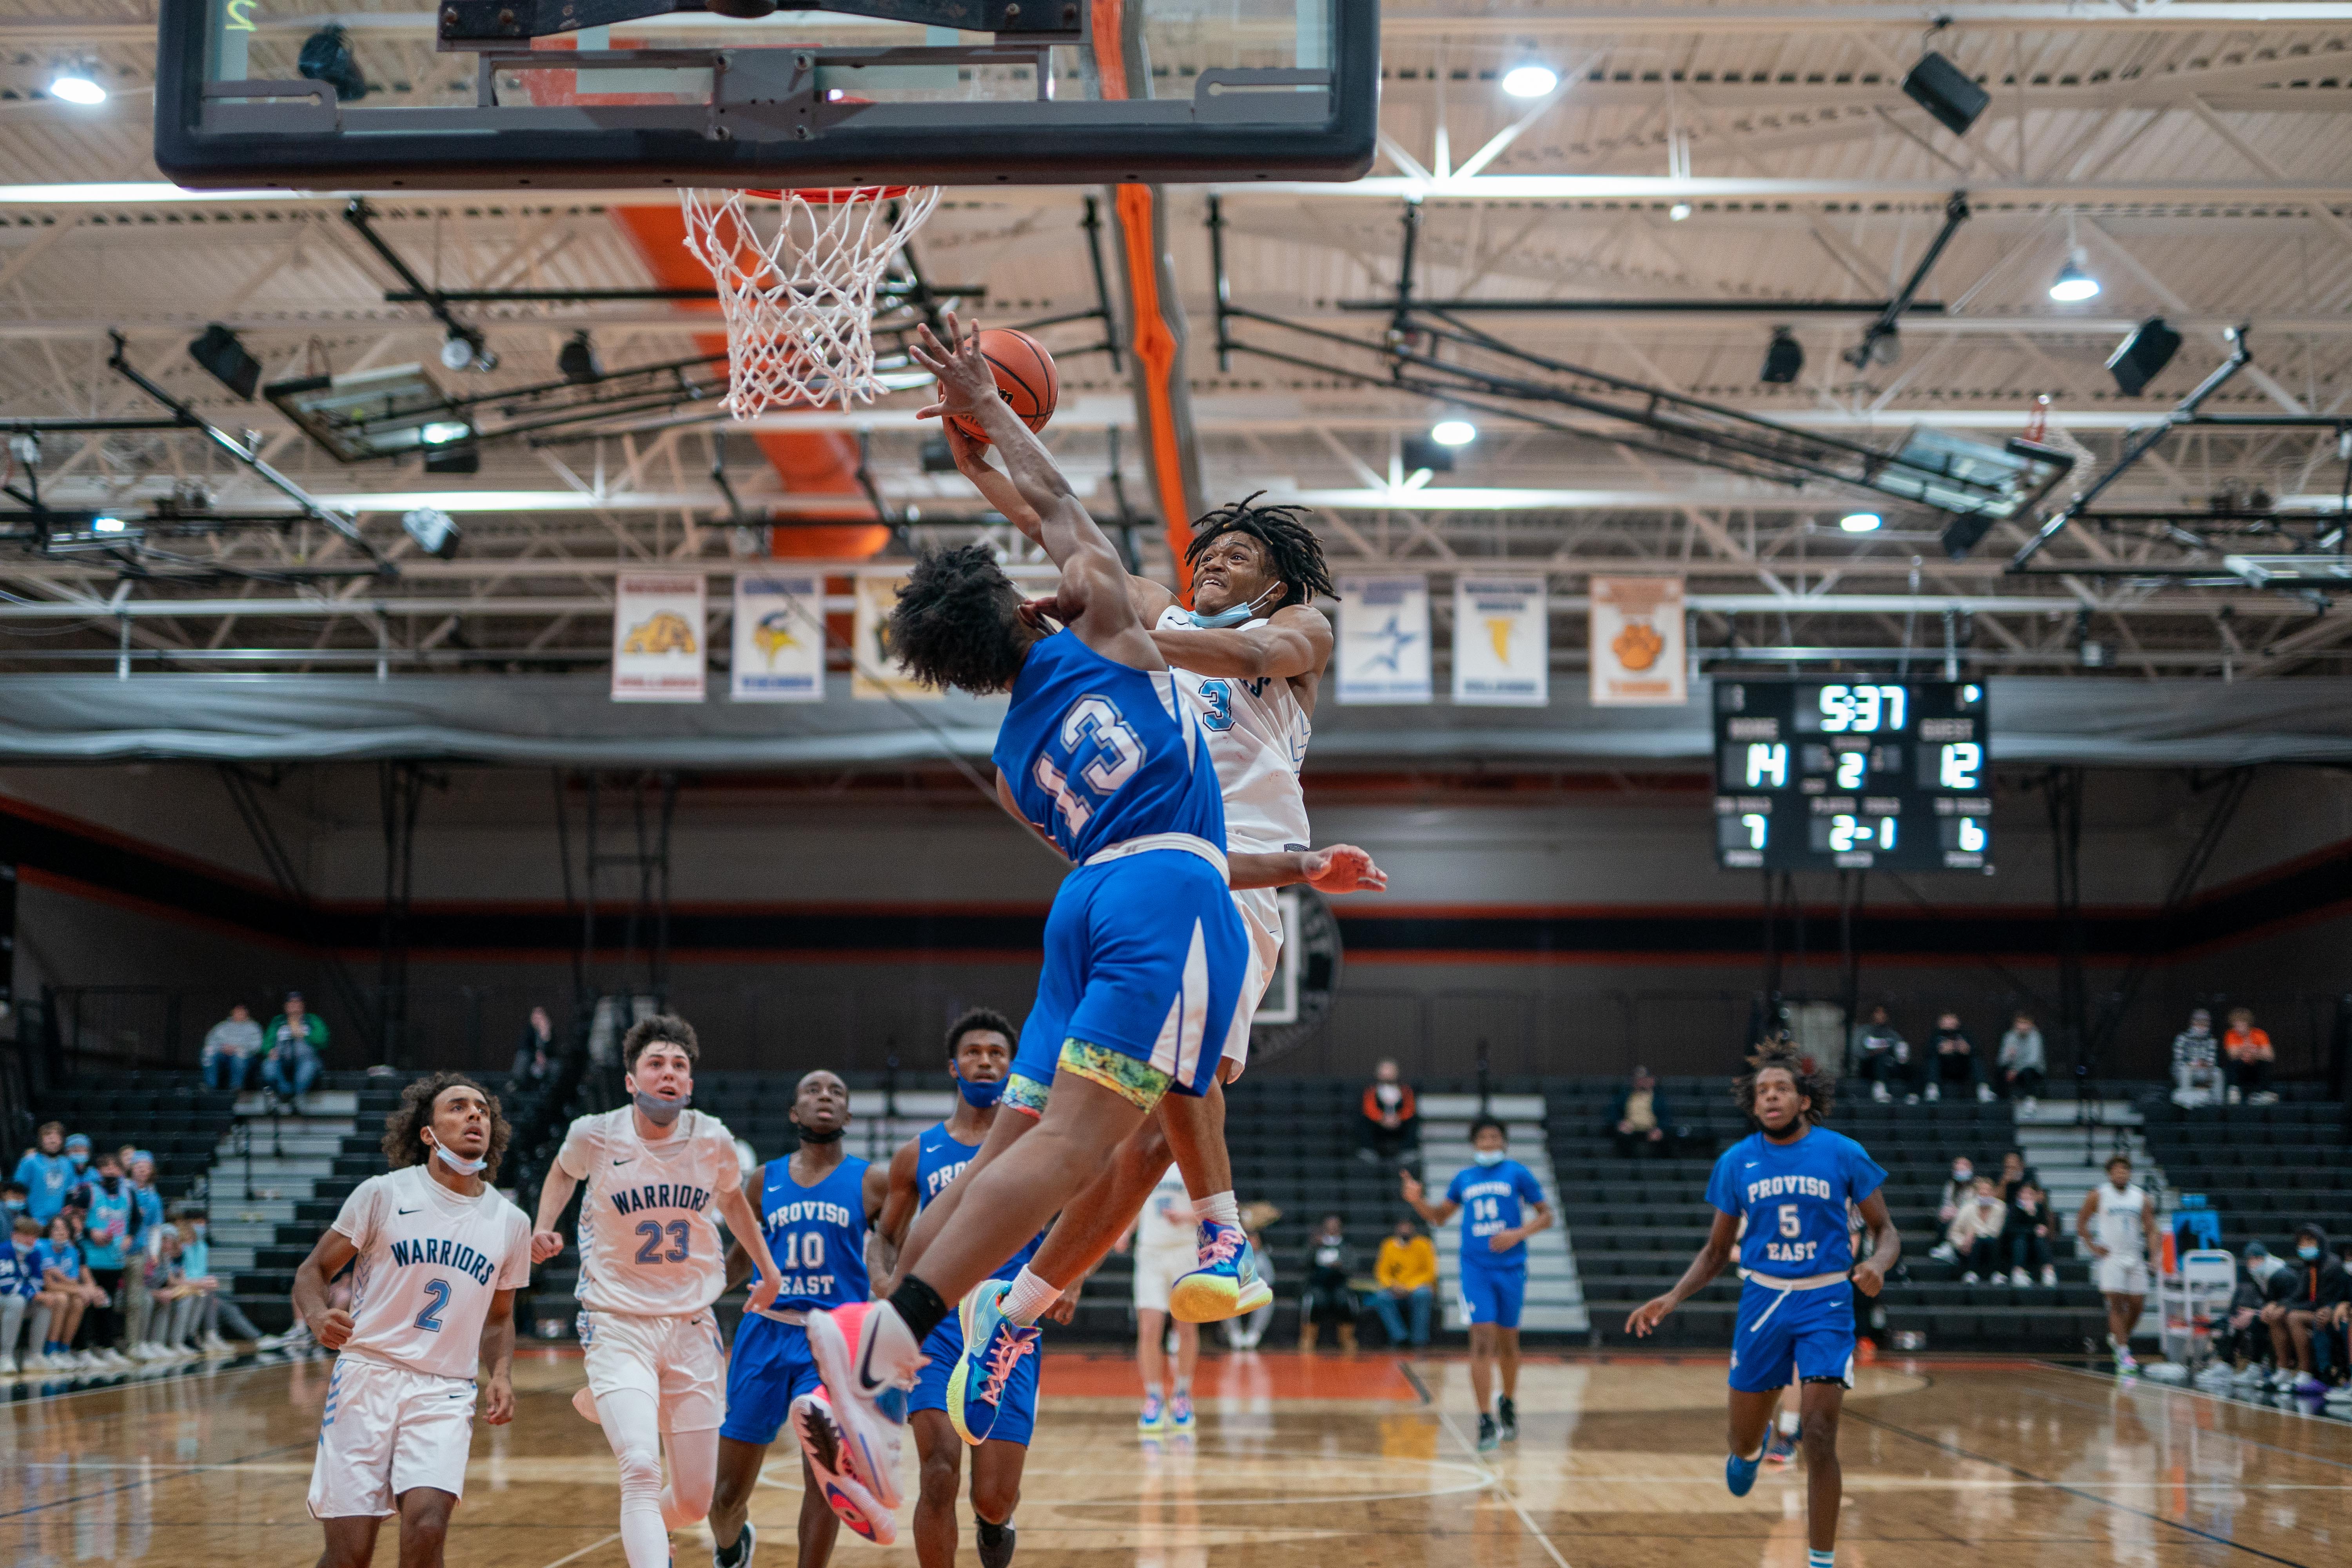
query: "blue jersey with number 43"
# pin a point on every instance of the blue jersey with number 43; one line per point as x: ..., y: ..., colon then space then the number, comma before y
x: 1097, y: 752
x: 1790, y: 1199
x: 816, y: 1235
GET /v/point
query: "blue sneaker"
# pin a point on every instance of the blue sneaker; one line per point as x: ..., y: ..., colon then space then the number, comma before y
x: 1739, y: 1474
x: 994, y: 1347
x: 1179, y: 1413
x: 1155, y: 1414
x: 1225, y: 1285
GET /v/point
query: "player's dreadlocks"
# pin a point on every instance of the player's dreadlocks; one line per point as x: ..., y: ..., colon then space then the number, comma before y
x: 1291, y: 547
x: 958, y: 621
x: 402, y: 1146
x: 1781, y: 1052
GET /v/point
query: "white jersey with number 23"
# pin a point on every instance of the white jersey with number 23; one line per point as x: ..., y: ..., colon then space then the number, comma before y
x: 648, y: 1244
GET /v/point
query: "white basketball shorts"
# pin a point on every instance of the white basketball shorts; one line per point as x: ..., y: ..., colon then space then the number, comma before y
x: 387, y: 1429
x: 1156, y: 1273
x: 1262, y: 919
x: 679, y: 1361
x: 2122, y: 1276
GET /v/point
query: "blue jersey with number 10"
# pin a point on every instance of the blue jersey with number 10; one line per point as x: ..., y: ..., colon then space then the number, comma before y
x: 1790, y: 1199
x: 1097, y: 752
x: 816, y: 1235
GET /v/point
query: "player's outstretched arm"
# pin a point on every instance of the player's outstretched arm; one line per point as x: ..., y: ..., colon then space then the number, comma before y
x: 554, y: 1198
x: 1433, y: 1214
x: 1296, y: 640
x: 743, y: 1225
x: 497, y: 1355
x: 330, y: 1326
x: 1870, y: 1274
x: 1721, y: 1241
x: 995, y: 486
x: 890, y: 1205
x: 1339, y: 869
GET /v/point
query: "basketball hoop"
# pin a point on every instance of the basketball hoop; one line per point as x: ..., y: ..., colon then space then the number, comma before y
x: 797, y: 273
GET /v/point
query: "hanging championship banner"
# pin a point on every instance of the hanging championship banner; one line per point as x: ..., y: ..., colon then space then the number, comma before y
x: 877, y: 676
x: 1502, y: 642
x: 658, y: 629
x: 1638, y: 655
x: 1383, y: 645
x: 778, y: 639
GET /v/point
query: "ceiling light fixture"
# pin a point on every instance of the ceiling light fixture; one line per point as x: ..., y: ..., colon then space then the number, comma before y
x: 1529, y: 81
x: 2074, y: 283
x: 1679, y: 211
x: 106, y: 525
x: 577, y: 359
x: 1860, y: 522
x: 1454, y: 432
x: 78, y: 84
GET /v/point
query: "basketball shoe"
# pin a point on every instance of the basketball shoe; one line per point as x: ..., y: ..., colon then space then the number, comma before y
x: 1155, y: 1414
x: 1780, y: 1447
x: 868, y: 1359
x: 852, y: 1503
x: 995, y: 1543
x: 1739, y: 1474
x: 995, y: 1346
x: 1180, y: 1411
x: 1225, y: 1285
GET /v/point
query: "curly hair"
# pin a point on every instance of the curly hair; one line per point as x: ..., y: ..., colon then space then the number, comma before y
x: 666, y: 1028
x: 957, y: 622
x: 977, y: 1018
x: 1292, y: 550
x: 404, y: 1144
x: 1781, y: 1052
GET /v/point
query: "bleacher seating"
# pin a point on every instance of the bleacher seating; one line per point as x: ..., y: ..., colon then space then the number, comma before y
x: 170, y: 1114
x: 2265, y: 1169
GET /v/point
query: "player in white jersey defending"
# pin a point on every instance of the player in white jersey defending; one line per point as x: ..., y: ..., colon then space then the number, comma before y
x: 2117, y: 1222
x: 650, y: 1267
x: 440, y: 1256
x: 1250, y: 655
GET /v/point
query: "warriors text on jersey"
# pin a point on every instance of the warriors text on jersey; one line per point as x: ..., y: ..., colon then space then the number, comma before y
x: 429, y: 1262
x: 1790, y: 1200
x: 816, y: 1235
x: 648, y: 1244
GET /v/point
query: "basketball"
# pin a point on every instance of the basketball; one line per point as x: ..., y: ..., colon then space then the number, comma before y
x: 1025, y: 377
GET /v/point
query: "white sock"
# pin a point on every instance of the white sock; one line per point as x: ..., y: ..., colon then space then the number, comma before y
x: 1790, y: 1422
x: 1183, y: 1388
x: 1222, y: 1208
x: 631, y: 1421
x: 1819, y: 1558
x: 1151, y: 1390
x: 1028, y: 1298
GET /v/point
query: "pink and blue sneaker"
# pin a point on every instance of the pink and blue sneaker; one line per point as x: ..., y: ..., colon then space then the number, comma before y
x: 1180, y: 1411
x: 1225, y: 1285
x: 1155, y: 1413
x: 994, y: 1345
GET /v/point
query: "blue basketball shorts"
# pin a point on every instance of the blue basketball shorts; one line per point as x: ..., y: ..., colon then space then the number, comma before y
x: 1494, y: 1295
x: 1016, y: 1416
x: 769, y: 1367
x: 1145, y: 960
x: 1785, y: 1335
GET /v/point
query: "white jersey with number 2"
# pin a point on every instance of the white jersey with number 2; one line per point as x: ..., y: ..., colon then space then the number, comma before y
x: 649, y: 1243
x: 429, y: 1262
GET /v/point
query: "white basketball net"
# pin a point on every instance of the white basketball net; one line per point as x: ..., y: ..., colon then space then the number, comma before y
x: 796, y: 273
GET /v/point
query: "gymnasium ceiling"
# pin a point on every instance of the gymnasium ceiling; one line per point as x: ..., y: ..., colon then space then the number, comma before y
x: 2198, y: 154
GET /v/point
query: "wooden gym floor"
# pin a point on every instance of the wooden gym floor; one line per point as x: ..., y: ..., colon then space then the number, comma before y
x: 1298, y: 1464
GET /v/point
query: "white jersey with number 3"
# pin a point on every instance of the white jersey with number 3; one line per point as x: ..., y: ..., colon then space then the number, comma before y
x: 429, y: 1262
x: 649, y: 1243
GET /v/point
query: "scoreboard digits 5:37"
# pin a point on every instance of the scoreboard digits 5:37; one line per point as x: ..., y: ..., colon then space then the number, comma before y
x: 1853, y: 774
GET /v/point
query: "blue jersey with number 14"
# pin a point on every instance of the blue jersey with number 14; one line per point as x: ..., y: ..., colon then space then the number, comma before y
x: 1097, y: 752
x: 1790, y: 1199
x: 816, y: 1235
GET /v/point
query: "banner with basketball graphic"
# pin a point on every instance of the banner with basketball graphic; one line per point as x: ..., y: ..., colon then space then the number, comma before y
x: 778, y: 639
x: 877, y: 677
x: 1383, y: 645
x: 1638, y: 655
x: 1502, y: 642
x: 657, y: 632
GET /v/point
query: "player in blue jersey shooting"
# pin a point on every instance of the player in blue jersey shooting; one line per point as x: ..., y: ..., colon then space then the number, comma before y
x: 1780, y: 1197
x: 1145, y: 953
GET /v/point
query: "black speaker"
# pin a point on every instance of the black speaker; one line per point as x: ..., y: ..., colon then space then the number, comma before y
x: 1784, y: 359
x: 457, y: 458
x: 1418, y: 452
x: 2141, y: 357
x: 225, y: 358
x: 1944, y: 90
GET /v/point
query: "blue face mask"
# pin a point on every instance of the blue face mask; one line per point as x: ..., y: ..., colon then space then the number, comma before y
x: 80, y: 1160
x: 980, y: 1096
x: 1488, y: 1156
x: 2307, y: 1252
x: 1235, y: 616
x: 661, y: 1112
x: 458, y: 1163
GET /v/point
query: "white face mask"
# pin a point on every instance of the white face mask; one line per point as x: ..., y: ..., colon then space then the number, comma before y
x: 1488, y: 1156
x: 458, y: 1163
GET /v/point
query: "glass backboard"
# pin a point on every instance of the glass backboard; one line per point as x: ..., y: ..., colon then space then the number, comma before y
x: 493, y: 94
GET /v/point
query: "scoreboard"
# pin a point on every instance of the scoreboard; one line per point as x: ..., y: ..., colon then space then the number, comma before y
x: 1849, y: 775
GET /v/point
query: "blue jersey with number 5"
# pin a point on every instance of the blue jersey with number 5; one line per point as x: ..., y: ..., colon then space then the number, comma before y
x: 1790, y: 1199
x: 816, y: 1235
x: 1097, y: 752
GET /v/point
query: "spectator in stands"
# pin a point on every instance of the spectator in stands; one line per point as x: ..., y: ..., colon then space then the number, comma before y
x: 2312, y: 1282
x: 1328, y: 1300
x: 1956, y: 1060
x: 2022, y: 1063
x: 108, y: 1245
x: 294, y: 1038
x: 2196, y: 1063
x: 1406, y: 1271
x: 2249, y: 1056
x: 1879, y: 1053
x: 2031, y: 1232
x: 212, y: 1308
x: 16, y: 1198
x: 2242, y: 1338
x: 67, y: 1293
x: 1391, y: 1129
x: 1958, y: 1193
x: 1639, y: 1118
x: 163, y: 1281
x: 2013, y: 1175
x: 47, y: 1172
x: 20, y: 1284
x: 1975, y: 1236
x: 534, y: 1056
x: 230, y: 1046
